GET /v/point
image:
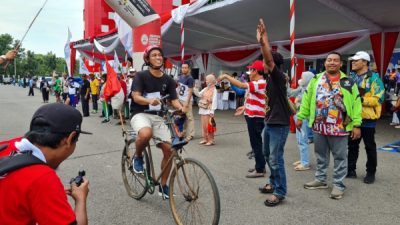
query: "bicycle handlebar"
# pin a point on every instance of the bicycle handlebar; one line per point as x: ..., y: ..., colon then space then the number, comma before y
x: 163, y: 103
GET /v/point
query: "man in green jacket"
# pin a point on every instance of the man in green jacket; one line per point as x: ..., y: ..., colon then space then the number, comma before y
x: 333, y: 107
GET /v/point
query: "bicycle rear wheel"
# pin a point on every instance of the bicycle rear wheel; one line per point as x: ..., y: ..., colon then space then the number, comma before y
x: 194, y: 197
x: 135, y: 184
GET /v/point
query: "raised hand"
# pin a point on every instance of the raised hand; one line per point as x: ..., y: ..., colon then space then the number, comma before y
x: 10, y: 55
x: 261, y: 32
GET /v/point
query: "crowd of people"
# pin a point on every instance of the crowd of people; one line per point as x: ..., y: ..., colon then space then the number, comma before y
x: 333, y: 110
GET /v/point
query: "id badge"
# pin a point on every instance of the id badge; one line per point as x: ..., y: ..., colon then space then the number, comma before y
x: 332, y: 116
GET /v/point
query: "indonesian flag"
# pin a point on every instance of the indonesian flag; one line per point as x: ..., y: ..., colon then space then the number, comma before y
x: 113, y: 86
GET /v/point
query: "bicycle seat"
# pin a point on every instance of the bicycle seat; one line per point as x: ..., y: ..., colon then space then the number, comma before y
x: 177, y: 143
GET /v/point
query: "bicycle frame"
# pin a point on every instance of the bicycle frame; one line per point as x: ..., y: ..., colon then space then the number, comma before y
x: 167, y: 117
x: 182, y: 180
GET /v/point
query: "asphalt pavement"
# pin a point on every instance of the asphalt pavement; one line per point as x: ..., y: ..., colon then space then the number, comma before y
x: 241, y: 203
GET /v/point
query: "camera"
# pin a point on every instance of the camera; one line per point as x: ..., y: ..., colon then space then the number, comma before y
x: 78, y: 179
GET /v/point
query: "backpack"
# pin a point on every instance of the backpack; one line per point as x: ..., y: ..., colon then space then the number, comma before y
x: 17, y: 161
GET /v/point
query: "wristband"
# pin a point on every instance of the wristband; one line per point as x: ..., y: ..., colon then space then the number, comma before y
x: 3, y: 57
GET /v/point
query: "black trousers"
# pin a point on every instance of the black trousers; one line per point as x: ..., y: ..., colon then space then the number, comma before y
x: 94, y: 101
x: 85, y: 105
x: 31, y: 92
x: 255, y: 126
x: 368, y: 136
x: 45, y: 95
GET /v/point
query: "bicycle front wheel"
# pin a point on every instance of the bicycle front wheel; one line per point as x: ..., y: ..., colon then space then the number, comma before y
x: 135, y: 184
x: 194, y: 197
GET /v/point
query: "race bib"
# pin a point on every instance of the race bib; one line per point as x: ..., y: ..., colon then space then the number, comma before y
x: 183, y: 92
x: 153, y: 95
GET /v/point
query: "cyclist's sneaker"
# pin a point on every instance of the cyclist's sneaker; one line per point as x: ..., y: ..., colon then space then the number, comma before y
x: 163, y: 191
x: 138, y: 164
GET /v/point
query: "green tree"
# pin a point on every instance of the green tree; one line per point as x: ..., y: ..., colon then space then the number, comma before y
x: 51, y: 61
x: 27, y: 63
x: 6, y: 41
x: 61, y: 66
x: 31, y: 65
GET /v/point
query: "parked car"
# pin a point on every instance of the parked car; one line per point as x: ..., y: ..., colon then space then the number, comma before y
x: 7, y: 80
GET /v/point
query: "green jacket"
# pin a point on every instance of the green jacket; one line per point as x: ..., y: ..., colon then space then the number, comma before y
x: 351, y: 100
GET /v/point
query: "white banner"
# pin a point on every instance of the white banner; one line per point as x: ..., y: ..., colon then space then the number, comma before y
x: 134, y: 12
x: 124, y: 34
x: 116, y: 64
x: 67, y: 52
x: 82, y: 67
x: 178, y: 14
x: 108, y: 49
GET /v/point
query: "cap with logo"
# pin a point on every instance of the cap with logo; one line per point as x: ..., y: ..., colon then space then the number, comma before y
x: 361, y: 55
x: 57, y: 118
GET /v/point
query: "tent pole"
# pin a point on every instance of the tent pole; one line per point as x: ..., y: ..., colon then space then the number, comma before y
x: 292, y: 37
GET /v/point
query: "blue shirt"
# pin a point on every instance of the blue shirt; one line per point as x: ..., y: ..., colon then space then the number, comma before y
x: 186, y: 80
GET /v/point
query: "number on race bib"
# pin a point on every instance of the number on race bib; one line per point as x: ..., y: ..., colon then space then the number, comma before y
x: 182, y: 90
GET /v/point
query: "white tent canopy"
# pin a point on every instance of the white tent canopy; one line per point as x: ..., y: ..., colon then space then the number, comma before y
x: 233, y: 22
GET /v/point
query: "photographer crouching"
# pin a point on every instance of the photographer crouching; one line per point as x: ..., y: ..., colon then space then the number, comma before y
x: 30, y: 190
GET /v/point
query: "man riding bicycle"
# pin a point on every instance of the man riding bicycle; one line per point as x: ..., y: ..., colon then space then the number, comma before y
x: 147, y: 89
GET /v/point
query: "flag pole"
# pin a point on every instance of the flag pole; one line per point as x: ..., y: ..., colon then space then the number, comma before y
x: 23, y: 37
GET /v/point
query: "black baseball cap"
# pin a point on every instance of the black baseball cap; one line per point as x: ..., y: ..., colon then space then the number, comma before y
x: 57, y: 118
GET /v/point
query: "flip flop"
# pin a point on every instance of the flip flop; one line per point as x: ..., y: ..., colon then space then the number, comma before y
x: 209, y: 144
x: 301, y: 168
x: 266, y: 189
x: 202, y: 142
x: 296, y: 163
x: 276, y: 202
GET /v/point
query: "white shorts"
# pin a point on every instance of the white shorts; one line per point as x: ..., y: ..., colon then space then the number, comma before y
x: 156, y: 123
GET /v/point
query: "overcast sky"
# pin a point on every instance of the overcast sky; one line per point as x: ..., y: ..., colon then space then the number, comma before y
x: 49, y: 31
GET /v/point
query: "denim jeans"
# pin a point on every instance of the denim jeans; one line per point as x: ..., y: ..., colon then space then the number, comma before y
x: 302, y: 143
x: 310, y: 133
x: 255, y: 126
x: 274, y: 139
x: 338, y: 146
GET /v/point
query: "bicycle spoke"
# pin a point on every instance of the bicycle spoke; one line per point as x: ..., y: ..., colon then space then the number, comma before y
x: 197, y: 199
x: 135, y: 184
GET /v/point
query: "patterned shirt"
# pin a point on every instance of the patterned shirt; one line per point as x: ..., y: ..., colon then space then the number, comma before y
x: 255, y: 101
x: 330, y: 108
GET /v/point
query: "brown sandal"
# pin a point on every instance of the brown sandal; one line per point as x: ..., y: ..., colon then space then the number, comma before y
x: 266, y: 189
x: 271, y: 203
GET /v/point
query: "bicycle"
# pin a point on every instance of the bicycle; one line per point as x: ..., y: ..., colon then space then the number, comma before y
x: 193, y: 194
